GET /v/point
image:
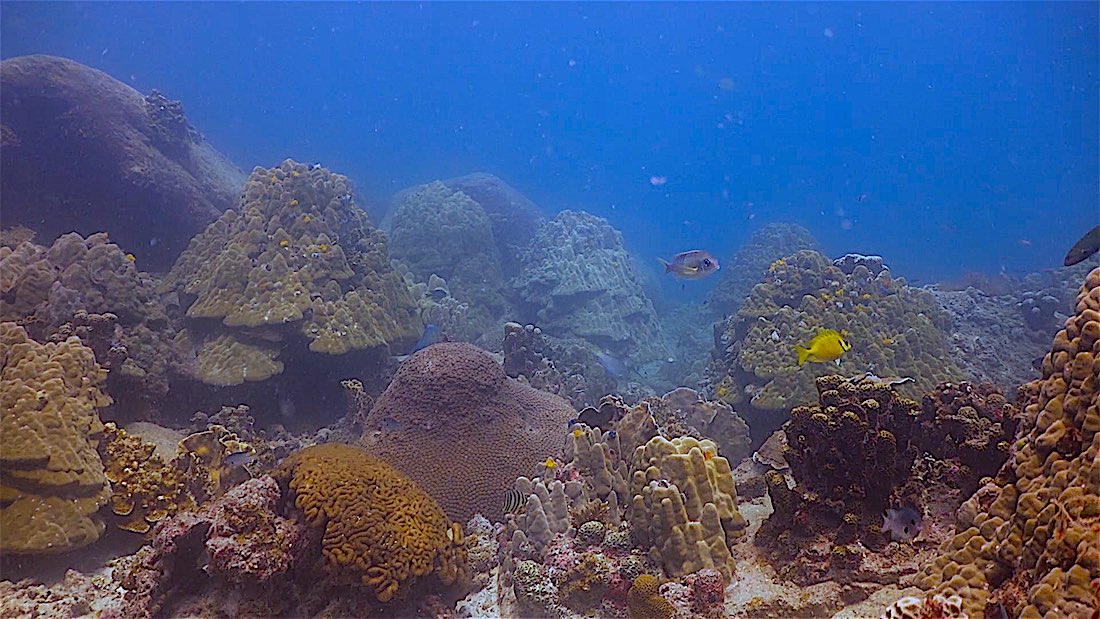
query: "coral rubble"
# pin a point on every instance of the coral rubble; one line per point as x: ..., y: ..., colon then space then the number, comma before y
x: 52, y: 480
x: 296, y: 262
x: 453, y: 422
x: 1030, y: 542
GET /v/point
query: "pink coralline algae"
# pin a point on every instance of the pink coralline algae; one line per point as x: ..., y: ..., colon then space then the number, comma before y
x: 708, y: 593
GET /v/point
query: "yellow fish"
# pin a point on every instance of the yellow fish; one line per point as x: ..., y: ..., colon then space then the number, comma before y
x: 827, y: 345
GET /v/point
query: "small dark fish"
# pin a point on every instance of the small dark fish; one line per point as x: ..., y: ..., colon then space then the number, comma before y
x: 694, y: 264
x: 389, y: 424
x: 861, y: 197
x: 611, y: 434
x: 240, y: 458
x: 432, y: 334
x: 1083, y: 249
x: 514, y: 501
x: 571, y: 423
x: 600, y: 417
x: 903, y: 524
x: 316, y: 166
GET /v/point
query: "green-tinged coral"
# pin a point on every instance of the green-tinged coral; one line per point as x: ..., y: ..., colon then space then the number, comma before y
x: 644, y: 599
x: 579, y: 281
x: 1031, y: 538
x: 225, y: 361
x: 379, y: 528
x: 894, y: 330
x: 51, y: 479
x: 749, y: 265
x: 299, y: 259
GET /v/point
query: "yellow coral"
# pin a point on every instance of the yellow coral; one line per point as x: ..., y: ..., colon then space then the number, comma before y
x: 51, y: 478
x: 144, y: 488
x: 380, y: 528
x: 644, y: 599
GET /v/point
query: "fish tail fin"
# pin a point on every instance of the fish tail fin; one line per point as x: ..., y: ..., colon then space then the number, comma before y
x: 803, y: 354
x: 666, y: 264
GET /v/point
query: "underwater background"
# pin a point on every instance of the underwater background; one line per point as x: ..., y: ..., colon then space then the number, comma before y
x: 969, y: 128
x: 503, y: 310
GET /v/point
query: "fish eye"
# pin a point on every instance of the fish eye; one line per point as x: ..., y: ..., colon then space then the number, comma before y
x: 706, y: 262
x: 906, y: 530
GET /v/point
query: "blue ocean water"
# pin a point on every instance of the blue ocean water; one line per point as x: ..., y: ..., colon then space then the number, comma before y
x: 948, y: 137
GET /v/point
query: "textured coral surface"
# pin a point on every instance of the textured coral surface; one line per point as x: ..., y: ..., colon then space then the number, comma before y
x: 1032, y: 540
x: 453, y: 422
x: 83, y: 151
x: 297, y: 259
x: 380, y: 528
x: 52, y: 481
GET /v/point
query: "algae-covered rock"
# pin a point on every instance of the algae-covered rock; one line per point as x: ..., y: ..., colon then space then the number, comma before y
x: 894, y: 330
x: 297, y: 260
x: 579, y: 281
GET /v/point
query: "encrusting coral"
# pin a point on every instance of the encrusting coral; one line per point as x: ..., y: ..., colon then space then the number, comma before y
x: 644, y: 599
x: 894, y: 330
x: 51, y: 479
x: 1031, y: 540
x: 453, y: 422
x: 144, y: 488
x: 297, y: 259
x: 380, y: 529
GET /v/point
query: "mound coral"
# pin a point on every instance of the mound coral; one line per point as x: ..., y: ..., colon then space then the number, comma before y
x: 579, y: 281
x: 51, y: 479
x: 453, y: 422
x: 568, y: 368
x: 750, y: 264
x: 1031, y: 541
x: 297, y: 260
x: 895, y: 330
x: 513, y: 218
x: 436, y: 230
x: 83, y: 151
x: 89, y: 288
x: 379, y: 528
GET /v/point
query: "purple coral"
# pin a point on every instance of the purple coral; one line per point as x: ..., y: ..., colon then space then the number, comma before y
x: 708, y: 592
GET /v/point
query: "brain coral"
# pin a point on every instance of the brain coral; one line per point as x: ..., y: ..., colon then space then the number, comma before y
x: 1033, y: 544
x: 51, y: 479
x: 895, y: 330
x: 298, y: 259
x: 380, y: 528
x: 460, y: 428
x: 578, y: 280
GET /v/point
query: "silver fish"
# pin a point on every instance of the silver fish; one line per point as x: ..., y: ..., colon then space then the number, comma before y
x: 903, y: 524
x: 694, y: 264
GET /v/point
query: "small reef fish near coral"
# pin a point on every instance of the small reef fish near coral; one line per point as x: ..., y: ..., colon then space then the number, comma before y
x: 387, y: 391
x: 694, y: 264
x: 827, y: 345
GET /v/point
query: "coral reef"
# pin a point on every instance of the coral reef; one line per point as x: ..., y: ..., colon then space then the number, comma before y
x: 684, y: 505
x: 91, y: 289
x: 52, y: 481
x: 513, y: 218
x: 579, y: 281
x: 83, y: 151
x: 379, y: 528
x: 683, y: 411
x: 436, y: 230
x: 482, y: 430
x: 144, y: 489
x: 644, y: 599
x: 296, y: 261
x: 1029, y: 540
x: 895, y: 330
x: 567, y: 368
x: 934, y: 607
x: 750, y: 264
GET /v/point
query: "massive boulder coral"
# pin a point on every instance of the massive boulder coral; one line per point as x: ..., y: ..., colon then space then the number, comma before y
x: 453, y: 422
x: 894, y: 329
x: 380, y: 529
x: 749, y: 265
x: 566, y: 367
x: 51, y: 479
x: 578, y: 280
x: 83, y: 151
x: 92, y: 289
x: 1030, y: 540
x: 298, y: 261
x: 436, y: 230
x: 513, y: 217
